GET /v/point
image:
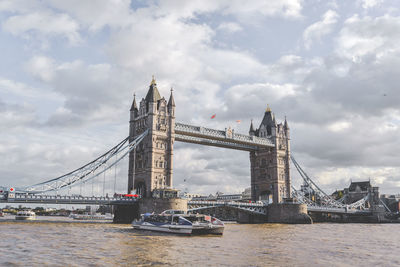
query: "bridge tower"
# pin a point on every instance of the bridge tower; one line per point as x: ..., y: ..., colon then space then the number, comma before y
x: 150, y: 164
x: 270, y: 169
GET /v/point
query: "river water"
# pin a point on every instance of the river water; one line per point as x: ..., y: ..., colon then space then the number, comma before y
x: 62, y: 242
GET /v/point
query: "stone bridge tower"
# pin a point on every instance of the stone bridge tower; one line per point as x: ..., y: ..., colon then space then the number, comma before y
x: 270, y: 170
x: 150, y: 164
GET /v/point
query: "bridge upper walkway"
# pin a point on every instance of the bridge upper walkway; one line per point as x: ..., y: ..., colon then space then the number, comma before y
x: 228, y: 138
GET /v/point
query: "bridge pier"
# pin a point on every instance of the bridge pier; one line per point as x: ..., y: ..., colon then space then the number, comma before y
x: 245, y: 217
x: 292, y: 213
x: 126, y: 213
x: 158, y: 205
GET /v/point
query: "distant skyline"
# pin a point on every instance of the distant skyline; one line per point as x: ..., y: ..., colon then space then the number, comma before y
x: 68, y: 72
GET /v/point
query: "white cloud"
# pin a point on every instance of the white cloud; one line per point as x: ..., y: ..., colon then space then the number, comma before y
x: 371, y: 3
x: 368, y: 36
x: 316, y: 31
x: 44, y: 23
x: 285, y: 8
x: 229, y: 27
x: 95, y: 16
x: 339, y: 126
x: 41, y: 67
x: 245, y: 12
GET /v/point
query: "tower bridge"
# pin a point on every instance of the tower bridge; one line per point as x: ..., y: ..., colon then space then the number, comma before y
x: 151, y: 164
x: 150, y: 145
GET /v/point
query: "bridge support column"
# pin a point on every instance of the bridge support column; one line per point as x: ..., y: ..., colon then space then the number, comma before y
x: 150, y: 164
x: 270, y: 170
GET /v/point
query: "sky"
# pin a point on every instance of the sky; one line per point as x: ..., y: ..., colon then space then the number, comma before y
x: 69, y: 69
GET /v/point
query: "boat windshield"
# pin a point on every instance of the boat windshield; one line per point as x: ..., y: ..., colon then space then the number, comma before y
x: 196, y: 218
x: 173, y: 212
x: 157, y: 218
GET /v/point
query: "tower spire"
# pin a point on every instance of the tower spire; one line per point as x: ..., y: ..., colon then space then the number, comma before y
x: 251, y: 127
x: 134, y: 106
x: 171, y: 101
x: 286, y: 125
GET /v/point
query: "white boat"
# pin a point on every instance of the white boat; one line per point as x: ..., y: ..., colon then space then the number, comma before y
x: 25, y: 215
x: 95, y: 217
x: 177, y: 222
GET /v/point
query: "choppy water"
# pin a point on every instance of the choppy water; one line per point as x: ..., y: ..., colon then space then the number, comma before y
x: 57, y: 243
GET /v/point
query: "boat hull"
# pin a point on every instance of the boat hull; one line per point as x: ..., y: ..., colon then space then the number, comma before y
x: 208, y: 230
x: 181, y: 229
x: 91, y: 217
x: 25, y: 218
x: 164, y: 228
x: 180, y: 223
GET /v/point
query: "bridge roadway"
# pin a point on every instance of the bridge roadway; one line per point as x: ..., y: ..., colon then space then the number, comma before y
x: 257, y: 208
x: 322, y: 209
x: 57, y: 199
x: 261, y: 208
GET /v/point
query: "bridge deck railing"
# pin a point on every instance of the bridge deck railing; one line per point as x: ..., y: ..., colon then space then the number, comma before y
x: 32, y: 197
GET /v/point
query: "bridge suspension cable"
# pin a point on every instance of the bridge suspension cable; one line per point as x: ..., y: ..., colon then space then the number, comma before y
x: 320, y: 198
x: 86, y: 172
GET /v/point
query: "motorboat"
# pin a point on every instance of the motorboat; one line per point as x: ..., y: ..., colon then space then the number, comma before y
x: 25, y: 215
x: 178, y: 222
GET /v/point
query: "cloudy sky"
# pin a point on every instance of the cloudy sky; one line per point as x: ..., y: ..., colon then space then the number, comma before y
x: 69, y: 69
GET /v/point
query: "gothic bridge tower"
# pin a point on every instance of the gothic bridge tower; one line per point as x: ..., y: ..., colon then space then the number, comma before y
x: 150, y: 164
x: 270, y: 171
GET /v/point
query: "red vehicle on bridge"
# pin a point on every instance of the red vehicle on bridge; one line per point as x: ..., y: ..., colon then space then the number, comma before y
x: 131, y: 195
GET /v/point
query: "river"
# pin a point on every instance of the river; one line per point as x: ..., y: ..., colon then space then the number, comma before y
x: 63, y: 242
